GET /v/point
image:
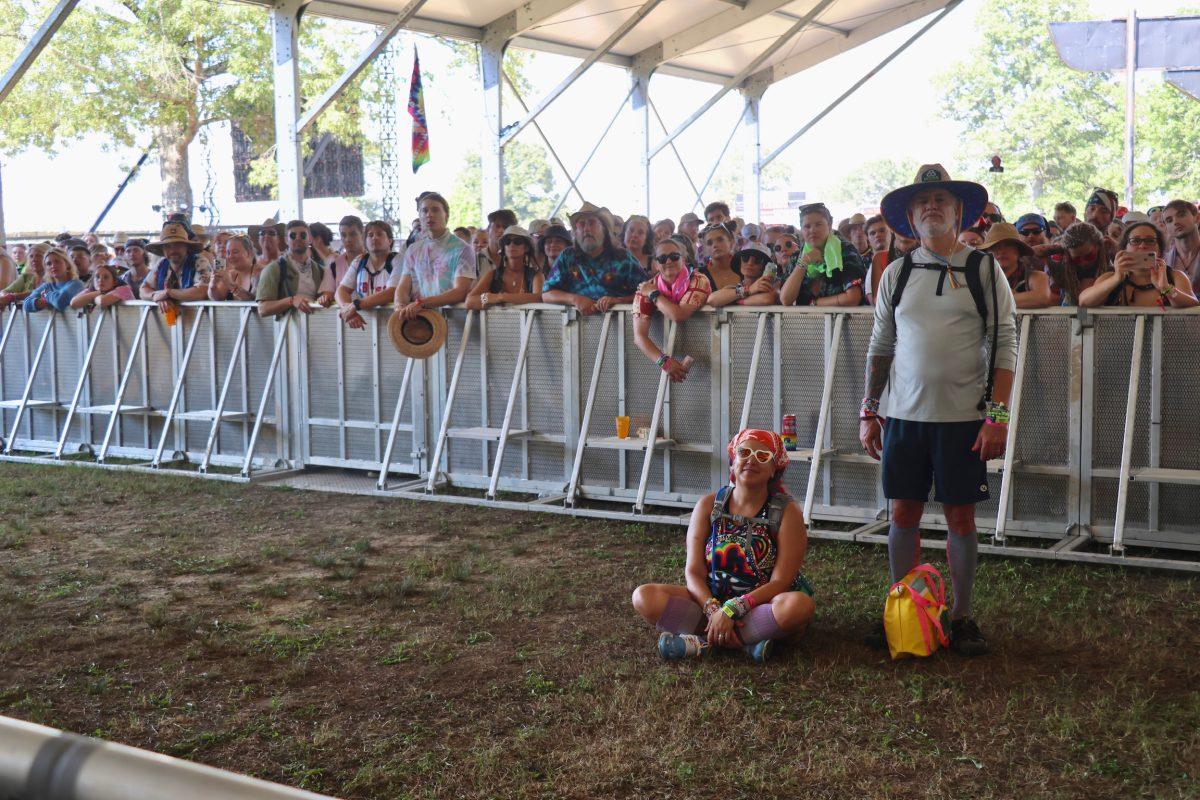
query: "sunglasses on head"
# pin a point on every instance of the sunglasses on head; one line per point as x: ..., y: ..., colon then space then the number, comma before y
x: 663, y: 259
x: 814, y: 207
x: 746, y: 453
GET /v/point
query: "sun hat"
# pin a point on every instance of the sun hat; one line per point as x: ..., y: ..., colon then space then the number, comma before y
x: 175, y: 233
x: 688, y: 217
x: 751, y: 231
x: 933, y: 176
x: 555, y: 232
x: 1135, y: 217
x: 757, y: 249
x: 857, y: 219
x: 419, y: 337
x: 254, y: 231
x: 539, y: 226
x: 1005, y: 232
x: 589, y: 209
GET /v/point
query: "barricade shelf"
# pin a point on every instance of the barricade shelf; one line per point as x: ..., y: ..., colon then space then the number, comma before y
x: 518, y: 411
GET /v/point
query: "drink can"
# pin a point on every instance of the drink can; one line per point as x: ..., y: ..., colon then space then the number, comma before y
x: 789, y: 432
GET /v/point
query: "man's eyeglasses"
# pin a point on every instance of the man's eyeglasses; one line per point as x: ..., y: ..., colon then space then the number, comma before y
x: 1142, y: 241
x: 994, y: 217
x: 746, y: 453
x: 663, y: 259
x: 269, y: 232
x: 298, y: 235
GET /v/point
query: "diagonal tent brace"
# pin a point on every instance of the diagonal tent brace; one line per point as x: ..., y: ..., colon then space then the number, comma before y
x: 583, y: 67
x: 745, y: 72
x: 553, y: 153
x: 363, y: 60
x: 36, y: 45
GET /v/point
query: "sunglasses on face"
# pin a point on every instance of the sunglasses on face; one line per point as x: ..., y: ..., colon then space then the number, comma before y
x: 1031, y: 231
x: 511, y: 240
x: 994, y: 217
x: 298, y: 235
x: 746, y: 453
x: 663, y: 259
x: 785, y: 246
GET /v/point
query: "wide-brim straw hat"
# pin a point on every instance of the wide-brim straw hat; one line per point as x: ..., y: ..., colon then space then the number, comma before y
x: 1005, y: 232
x: 587, y: 209
x: 933, y: 176
x: 254, y: 231
x: 419, y: 337
x: 175, y: 233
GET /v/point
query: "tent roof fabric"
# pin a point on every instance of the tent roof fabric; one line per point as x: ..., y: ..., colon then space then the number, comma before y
x: 709, y: 40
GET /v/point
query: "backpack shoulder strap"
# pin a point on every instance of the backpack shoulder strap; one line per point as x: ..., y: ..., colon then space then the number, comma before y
x: 906, y: 268
x: 776, y: 505
x: 720, y: 503
x: 975, y: 283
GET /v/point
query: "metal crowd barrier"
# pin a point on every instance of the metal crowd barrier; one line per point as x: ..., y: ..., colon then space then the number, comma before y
x: 518, y: 409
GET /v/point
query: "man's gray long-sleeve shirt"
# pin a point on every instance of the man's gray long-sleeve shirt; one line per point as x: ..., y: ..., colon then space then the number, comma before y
x: 940, y: 350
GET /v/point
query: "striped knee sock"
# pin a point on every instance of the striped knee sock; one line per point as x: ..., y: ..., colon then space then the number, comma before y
x: 760, y: 624
x: 679, y: 616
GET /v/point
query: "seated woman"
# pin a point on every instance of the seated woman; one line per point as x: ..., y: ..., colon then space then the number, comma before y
x: 104, y: 289
x: 238, y: 279
x: 829, y: 272
x: 1030, y: 286
x: 59, y: 285
x: 756, y: 288
x: 517, y: 280
x: 28, y: 280
x: 677, y: 290
x: 745, y: 547
x: 1139, y: 277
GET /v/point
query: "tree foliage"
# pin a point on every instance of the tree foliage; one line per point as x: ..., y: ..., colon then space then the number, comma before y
x: 1168, y: 136
x: 529, y: 187
x: 865, y: 186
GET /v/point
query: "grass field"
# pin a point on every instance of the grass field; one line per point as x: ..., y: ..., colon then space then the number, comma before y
x: 385, y: 649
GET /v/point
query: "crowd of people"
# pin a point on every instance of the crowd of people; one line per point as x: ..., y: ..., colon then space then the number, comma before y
x: 946, y: 354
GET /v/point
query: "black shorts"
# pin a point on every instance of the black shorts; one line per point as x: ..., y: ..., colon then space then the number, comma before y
x: 917, y: 455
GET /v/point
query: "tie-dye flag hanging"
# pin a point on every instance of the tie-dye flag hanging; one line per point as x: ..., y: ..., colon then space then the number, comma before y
x: 416, y: 110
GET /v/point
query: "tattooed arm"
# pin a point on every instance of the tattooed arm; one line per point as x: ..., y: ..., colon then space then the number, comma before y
x: 878, y: 369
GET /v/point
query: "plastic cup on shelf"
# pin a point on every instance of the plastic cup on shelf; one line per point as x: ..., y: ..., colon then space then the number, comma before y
x: 622, y: 427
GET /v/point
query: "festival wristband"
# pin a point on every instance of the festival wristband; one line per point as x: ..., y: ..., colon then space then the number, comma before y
x: 710, y: 605
x: 869, y: 408
x: 997, y: 413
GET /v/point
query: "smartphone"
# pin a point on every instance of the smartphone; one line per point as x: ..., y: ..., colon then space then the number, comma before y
x: 1143, y: 260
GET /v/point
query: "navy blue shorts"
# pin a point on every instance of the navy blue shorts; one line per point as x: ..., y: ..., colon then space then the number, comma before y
x: 918, y: 455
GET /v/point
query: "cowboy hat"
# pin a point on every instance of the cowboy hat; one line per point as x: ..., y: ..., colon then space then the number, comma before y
x: 587, y: 209
x: 175, y: 233
x: 933, y: 176
x: 1005, y: 232
x: 419, y: 337
x: 254, y: 231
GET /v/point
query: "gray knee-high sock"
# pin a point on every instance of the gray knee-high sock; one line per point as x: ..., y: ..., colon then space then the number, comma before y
x: 904, y: 550
x: 962, y: 550
x: 760, y: 624
x: 679, y: 616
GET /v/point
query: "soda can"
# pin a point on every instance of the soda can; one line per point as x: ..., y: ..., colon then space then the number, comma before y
x: 789, y: 432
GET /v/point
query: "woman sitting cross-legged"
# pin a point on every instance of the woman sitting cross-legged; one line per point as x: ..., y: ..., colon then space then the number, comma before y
x: 677, y: 290
x: 745, y: 547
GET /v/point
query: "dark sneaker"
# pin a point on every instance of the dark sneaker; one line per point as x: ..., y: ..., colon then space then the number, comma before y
x: 966, y: 639
x: 678, y: 646
x: 760, y: 651
x: 876, y: 638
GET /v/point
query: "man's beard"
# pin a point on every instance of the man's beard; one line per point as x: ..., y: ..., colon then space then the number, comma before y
x: 929, y: 229
x: 591, y: 244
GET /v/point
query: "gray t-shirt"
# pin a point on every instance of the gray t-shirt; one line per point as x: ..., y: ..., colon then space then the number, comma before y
x: 941, y: 358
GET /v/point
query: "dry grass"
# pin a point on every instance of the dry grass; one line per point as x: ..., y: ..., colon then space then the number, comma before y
x: 372, y: 648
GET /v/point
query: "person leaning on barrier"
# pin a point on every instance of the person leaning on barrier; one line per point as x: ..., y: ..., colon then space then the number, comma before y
x: 638, y: 239
x: 59, y: 285
x: 238, y: 279
x: 488, y: 258
x: 137, y: 265
x: 930, y: 349
x: 1139, y: 276
x: 438, y: 268
x: 677, y: 290
x: 293, y: 280
x: 829, y: 271
x: 745, y: 548
x: 516, y: 280
x: 1030, y: 286
x: 593, y: 274
x: 756, y: 288
x: 1079, y: 256
x: 181, y: 275
x: 785, y: 251
x: 715, y: 257
x: 103, y: 290
x: 1179, y: 218
x: 30, y: 277
x: 365, y: 284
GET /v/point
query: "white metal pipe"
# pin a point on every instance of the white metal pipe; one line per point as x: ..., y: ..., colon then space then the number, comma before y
x: 1014, y: 405
x: 282, y: 332
x: 1123, y: 478
x: 573, y: 486
x: 603, y: 137
x: 219, y: 411
x: 445, y: 426
x: 180, y: 381
x: 386, y: 465
x: 84, y: 370
x: 526, y: 329
x: 716, y: 164
x: 546, y: 140
x: 37, y: 43
x: 814, y: 469
x: 639, y: 504
x: 752, y: 376
x: 1131, y: 62
x: 135, y: 348
x: 47, y: 334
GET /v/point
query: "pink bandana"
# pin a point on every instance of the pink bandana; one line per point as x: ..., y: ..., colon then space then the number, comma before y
x: 676, y: 290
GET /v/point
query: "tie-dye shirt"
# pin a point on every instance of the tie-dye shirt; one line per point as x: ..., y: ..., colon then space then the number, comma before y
x: 435, y: 264
x: 604, y: 276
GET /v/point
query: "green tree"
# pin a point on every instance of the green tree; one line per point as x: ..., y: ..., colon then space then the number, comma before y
x: 1168, y: 163
x: 529, y: 187
x: 1057, y: 130
x: 152, y: 73
x: 866, y: 185
x: 728, y: 183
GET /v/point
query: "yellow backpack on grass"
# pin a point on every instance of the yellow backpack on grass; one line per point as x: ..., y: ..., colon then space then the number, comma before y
x: 913, y: 613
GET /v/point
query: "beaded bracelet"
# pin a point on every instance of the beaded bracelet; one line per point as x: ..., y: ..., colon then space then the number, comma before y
x: 663, y: 359
x: 869, y: 408
x: 710, y: 605
x: 997, y: 413
x: 735, y: 607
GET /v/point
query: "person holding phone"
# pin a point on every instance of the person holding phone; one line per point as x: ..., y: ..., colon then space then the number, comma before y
x: 1139, y: 277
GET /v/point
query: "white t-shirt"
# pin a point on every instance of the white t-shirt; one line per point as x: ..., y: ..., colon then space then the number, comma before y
x: 361, y: 281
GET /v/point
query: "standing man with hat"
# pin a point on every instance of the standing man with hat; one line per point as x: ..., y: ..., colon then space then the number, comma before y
x: 181, y: 275
x: 292, y: 280
x: 593, y: 274
x: 944, y: 340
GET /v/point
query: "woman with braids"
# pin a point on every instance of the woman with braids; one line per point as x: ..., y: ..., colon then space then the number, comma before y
x: 517, y: 280
x: 1077, y: 259
x: 745, y: 547
x: 677, y: 290
x: 1139, y: 277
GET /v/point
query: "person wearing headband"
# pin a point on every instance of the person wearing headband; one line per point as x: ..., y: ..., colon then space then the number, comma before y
x: 829, y: 271
x: 677, y: 290
x: 745, y: 548
x: 1101, y: 209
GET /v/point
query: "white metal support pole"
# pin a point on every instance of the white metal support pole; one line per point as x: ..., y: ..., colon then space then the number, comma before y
x: 1010, y: 446
x: 814, y: 469
x: 180, y: 382
x: 384, y: 467
x: 546, y: 140
x: 752, y: 128
x: 47, y: 335
x: 518, y: 372
x: 1131, y: 63
x: 219, y: 411
x: 84, y: 370
x: 282, y: 329
x: 1123, y: 478
x: 491, y: 74
x: 603, y: 138
x: 444, y: 430
x: 285, y: 35
x: 640, y: 100
x: 135, y: 349
x: 752, y: 375
x: 573, y: 486
x: 639, y: 504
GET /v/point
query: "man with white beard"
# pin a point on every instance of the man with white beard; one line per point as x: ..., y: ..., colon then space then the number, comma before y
x: 947, y: 351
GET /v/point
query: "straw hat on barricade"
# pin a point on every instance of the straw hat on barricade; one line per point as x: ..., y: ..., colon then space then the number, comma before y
x: 419, y: 337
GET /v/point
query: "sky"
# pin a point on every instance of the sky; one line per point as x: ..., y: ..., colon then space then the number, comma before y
x: 44, y: 192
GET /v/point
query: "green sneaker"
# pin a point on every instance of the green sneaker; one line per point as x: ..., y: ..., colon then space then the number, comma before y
x: 678, y: 646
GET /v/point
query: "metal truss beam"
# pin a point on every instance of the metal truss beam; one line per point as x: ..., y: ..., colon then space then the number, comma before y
x: 583, y: 67
x: 705, y: 31
x: 362, y: 62
x: 526, y: 16
x: 37, y: 43
x: 285, y: 59
x: 746, y: 72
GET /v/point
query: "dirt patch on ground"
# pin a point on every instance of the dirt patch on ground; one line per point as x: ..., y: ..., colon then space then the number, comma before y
x: 378, y: 648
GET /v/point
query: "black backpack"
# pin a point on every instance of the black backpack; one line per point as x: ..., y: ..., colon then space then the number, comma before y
x: 975, y: 284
